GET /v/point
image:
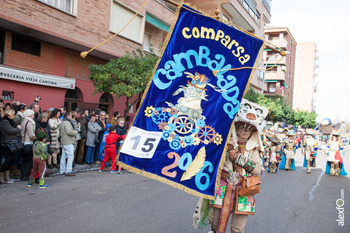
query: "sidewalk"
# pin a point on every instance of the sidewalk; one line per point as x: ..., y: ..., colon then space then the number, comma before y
x: 76, y: 168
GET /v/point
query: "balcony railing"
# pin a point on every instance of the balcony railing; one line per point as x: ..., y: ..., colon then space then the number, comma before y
x: 267, y: 4
x: 250, y: 7
x: 167, y: 5
x: 151, y: 49
x: 273, y: 60
x: 280, y: 43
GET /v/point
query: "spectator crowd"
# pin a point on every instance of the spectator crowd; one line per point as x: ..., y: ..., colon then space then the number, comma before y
x: 32, y: 140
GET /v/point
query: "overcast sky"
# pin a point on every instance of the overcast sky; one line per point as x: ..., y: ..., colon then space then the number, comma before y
x: 326, y: 23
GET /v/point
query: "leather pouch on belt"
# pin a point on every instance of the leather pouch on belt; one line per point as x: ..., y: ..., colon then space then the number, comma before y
x: 250, y: 186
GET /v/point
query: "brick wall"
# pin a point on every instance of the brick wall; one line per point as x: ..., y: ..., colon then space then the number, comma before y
x: 89, y: 27
x: 43, y: 63
x: 76, y: 67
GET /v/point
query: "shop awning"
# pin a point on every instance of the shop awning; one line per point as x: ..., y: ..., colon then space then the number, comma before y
x: 285, y: 85
x: 31, y: 77
x: 156, y: 22
x: 271, y: 81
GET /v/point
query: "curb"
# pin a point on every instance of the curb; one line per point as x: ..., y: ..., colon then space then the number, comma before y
x: 76, y: 168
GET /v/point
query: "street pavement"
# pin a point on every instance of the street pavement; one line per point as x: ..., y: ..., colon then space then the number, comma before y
x: 289, y: 201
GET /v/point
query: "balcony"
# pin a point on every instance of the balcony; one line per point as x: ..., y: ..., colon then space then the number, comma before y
x: 275, y: 76
x: 273, y: 59
x: 150, y: 49
x: 280, y: 43
x: 267, y: 4
x: 244, y: 13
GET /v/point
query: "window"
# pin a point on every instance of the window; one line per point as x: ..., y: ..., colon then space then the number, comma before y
x: 63, y: 5
x: 225, y: 18
x: 147, y: 42
x: 272, y: 87
x: 25, y: 45
x: 261, y: 74
x: 120, y: 16
x: 72, y: 100
x: 250, y: 6
x: 167, y: 5
x: 267, y: 4
x: 8, y: 95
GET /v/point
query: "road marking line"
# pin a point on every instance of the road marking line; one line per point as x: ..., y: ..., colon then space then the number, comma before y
x: 311, y: 195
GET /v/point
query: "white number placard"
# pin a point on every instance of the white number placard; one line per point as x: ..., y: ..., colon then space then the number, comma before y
x: 141, y: 143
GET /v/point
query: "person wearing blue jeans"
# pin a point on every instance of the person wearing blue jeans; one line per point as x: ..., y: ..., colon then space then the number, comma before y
x: 89, y: 154
x: 68, y: 134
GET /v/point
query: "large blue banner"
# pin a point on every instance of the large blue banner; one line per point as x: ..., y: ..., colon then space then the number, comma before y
x: 181, y: 128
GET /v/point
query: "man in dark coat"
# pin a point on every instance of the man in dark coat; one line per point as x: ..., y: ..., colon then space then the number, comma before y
x: 102, y: 121
x: 83, y: 120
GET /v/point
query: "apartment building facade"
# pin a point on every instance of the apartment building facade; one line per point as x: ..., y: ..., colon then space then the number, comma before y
x: 41, y: 41
x: 306, y: 76
x: 280, y: 78
x: 251, y: 15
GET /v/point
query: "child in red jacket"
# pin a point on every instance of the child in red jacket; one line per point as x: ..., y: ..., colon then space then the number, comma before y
x: 111, y: 148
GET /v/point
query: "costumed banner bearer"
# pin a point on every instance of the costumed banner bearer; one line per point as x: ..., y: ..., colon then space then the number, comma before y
x: 242, y: 160
x: 186, y: 115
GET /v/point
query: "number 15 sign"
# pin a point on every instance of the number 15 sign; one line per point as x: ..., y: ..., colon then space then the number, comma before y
x: 141, y: 143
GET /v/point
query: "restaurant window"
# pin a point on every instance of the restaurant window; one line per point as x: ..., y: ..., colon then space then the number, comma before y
x: 26, y: 45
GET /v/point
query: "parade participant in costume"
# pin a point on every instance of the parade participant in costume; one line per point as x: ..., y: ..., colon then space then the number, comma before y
x: 284, y: 134
x: 111, y: 149
x: 289, y: 147
x: 281, y: 134
x: 275, y: 153
x: 335, y: 154
x: 310, y: 151
x: 242, y: 160
x: 267, y: 145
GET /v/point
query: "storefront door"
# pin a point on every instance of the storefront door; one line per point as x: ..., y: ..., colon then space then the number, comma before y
x: 73, y: 99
